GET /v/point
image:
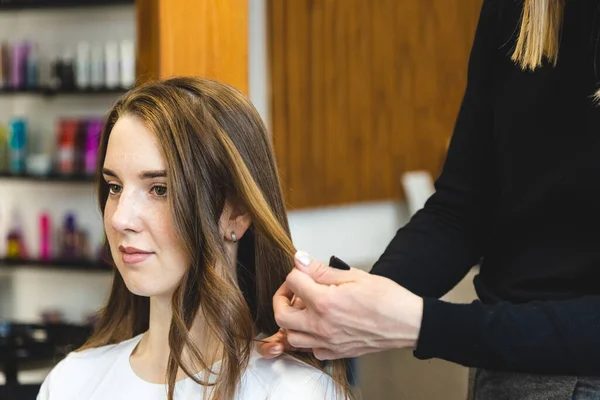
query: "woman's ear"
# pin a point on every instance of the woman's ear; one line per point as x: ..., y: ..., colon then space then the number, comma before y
x: 235, y: 220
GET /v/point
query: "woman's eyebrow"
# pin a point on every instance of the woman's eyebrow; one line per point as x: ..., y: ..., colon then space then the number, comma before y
x: 106, y: 171
x: 142, y: 175
x: 153, y: 174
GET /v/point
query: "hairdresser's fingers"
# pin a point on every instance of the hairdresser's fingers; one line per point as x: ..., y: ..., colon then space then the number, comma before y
x: 305, y: 287
x: 286, y: 315
x: 324, y: 354
x: 303, y: 340
x: 322, y: 273
x: 283, y: 305
x: 275, y: 345
x: 293, y: 318
x: 269, y: 350
x: 284, y: 293
x: 282, y: 299
x: 299, y: 303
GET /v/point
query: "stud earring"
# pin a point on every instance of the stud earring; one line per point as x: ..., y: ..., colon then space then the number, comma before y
x: 233, y: 237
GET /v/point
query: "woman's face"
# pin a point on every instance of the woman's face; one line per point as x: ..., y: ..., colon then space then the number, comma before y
x: 137, y: 219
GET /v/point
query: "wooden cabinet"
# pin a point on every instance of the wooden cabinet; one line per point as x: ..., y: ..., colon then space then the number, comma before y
x: 204, y: 38
x: 363, y: 91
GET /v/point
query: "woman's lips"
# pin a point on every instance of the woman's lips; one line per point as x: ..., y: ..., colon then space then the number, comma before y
x: 132, y: 255
x: 135, y: 258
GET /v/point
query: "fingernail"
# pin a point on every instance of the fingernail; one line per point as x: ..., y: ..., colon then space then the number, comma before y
x: 303, y: 257
x: 275, y: 350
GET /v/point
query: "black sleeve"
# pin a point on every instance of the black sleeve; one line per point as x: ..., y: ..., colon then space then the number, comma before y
x: 546, y: 337
x: 436, y: 249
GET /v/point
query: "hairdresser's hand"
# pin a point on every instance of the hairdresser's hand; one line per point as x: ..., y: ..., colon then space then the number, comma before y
x: 346, y: 313
x: 275, y: 345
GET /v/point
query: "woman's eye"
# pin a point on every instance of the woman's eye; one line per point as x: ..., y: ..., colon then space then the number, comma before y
x: 114, y: 189
x: 159, y: 190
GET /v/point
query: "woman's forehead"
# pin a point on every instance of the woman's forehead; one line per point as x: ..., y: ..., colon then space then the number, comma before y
x: 133, y: 147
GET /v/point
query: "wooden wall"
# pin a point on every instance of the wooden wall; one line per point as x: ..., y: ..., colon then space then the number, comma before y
x: 363, y: 91
x: 204, y: 38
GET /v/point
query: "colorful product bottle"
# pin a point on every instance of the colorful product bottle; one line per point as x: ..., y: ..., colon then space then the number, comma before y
x: 17, y: 141
x: 33, y: 68
x: 91, y: 150
x: 44, y: 237
x: 66, y: 146
x: 69, y: 246
x: 3, y: 149
x: 111, y: 59
x: 80, y: 146
x: 127, y: 63
x: 18, y: 65
x: 16, y: 248
x: 4, y: 63
x: 83, y: 68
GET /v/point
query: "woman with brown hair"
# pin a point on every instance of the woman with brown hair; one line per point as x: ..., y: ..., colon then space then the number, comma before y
x: 518, y: 195
x: 197, y: 230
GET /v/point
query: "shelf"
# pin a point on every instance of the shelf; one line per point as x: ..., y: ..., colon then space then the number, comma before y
x: 36, y: 4
x: 47, y: 92
x: 26, y: 345
x: 74, y: 265
x: 49, y: 178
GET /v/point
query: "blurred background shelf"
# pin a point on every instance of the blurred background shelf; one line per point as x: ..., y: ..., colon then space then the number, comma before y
x: 72, y: 265
x: 36, y: 4
x: 53, y: 177
x: 48, y: 92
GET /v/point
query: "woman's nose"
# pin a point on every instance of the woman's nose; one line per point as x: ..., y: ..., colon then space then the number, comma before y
x: 126, y: 214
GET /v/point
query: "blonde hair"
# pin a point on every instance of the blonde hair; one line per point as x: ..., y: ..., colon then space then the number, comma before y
x: 539, y: 35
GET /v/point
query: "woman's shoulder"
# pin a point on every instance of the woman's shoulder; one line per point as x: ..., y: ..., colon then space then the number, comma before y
x: 79, y: 366
x: 289, y: 378
x: 102, y: 354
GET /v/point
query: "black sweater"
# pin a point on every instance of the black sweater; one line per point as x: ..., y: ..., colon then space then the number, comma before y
x: 519, y: 194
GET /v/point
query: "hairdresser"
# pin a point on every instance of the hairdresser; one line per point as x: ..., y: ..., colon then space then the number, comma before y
x: 518, y: 195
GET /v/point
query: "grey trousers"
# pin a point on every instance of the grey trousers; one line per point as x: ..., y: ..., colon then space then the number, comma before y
x: 490, y: 385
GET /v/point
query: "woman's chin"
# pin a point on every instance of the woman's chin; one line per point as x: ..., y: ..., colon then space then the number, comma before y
x: 140, y: 289
x: 142, y: 292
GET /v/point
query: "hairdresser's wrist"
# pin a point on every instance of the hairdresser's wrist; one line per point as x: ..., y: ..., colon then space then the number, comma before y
x: 407, y: 320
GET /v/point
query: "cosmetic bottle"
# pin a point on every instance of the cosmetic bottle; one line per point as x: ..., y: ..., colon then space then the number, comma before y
x: 17, y: 141
x: 3, y: 148
x: 33, y: 71
x: 66, y: 146
x: 4, y: 66
x: 127, y: 61
x: 67, y: 72
x: 69, y: 245
x: 80, y: 147
x: 18, y: 65
x: 97, y: 67
x: 111, y: 59
x: 93, y: 139
x: 16, y: 248
x: 82, y: 245
x: 45, y: 237
x: 83, y: 67
x: 55, y: 69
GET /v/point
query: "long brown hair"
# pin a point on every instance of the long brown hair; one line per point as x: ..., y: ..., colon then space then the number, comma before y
x: 216, y: 148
